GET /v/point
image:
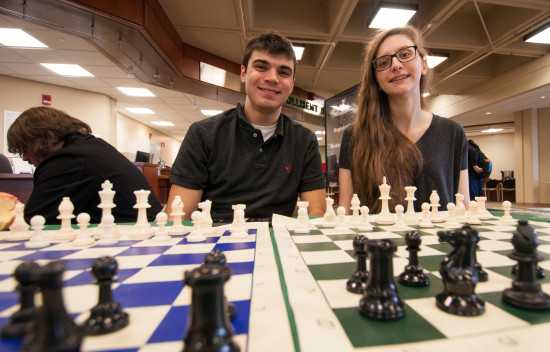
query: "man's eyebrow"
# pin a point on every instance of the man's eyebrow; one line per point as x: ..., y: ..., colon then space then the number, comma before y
x: 265, y: 62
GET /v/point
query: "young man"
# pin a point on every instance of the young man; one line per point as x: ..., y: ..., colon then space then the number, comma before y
x: 252, y: 155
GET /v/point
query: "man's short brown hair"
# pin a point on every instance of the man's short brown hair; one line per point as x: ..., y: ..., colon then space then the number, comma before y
x: 274, y: 43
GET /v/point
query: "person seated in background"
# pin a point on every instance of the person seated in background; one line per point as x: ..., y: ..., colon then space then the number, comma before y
x: 5, y: 166
x: 393, y: 136
x: 71, y: 162
x: 253, y: 154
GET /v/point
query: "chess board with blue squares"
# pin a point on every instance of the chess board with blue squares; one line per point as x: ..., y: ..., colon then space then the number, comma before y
x: 318, y: 264
x: 150, y: 288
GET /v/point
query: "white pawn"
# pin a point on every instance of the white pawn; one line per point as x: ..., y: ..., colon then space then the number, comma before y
x: 460, y: 208
x: 341, y: 219
x: 19, y: 229
x: 37, y: 239
x: 355, y: 207
x: 451, y: 221
x: 482, y: 211
x: 425, y: 220
x: 473, y: 219
x: 507, y: 219
x: 177, y: 215
x: 196, y: 234
x: 108, y: 237
x: 400, y: 223
x: 66, y: 232
x: 161, y: 233
x: 365, y: 224
x: 303, y: 219
x: 238, y: 228
x: 330, y: 215
x: 83, y: 238
x: 207, y: 221
x: 435, y: 216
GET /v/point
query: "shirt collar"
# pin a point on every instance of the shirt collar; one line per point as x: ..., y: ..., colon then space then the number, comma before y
x: 280, y: 123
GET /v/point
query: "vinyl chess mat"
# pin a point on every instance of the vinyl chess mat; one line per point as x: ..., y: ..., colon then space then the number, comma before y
x: 316, y: 267
x: 150, y: 288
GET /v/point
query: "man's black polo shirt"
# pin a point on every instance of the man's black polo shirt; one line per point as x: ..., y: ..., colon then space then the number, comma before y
x: 228, y: 159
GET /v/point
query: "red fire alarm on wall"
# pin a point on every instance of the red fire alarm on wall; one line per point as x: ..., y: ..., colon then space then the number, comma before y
x: 46, y: 99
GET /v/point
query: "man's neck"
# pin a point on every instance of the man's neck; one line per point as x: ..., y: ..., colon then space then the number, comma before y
x: 265, y: 117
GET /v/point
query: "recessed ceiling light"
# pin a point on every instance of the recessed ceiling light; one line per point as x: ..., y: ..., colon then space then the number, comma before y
x: 488, y: 113
x: 491, y: 130
x: 539, y: 35
x: 211, y: 112
x: 162, y: 123
x: 14, y: 37
x: 389, y: 15
x: 319, y: 132
x: 136, y: 92
x: 68, y: 70
x: 146, y: 111
x: 299, y: 50
x: 426, y: 94
x: 434, y: 60
x: 542, y: 96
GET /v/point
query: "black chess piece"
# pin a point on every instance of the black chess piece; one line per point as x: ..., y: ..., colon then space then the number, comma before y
x: 26, y: 274
x: 414, y: 273
x: 381, y: 300
x: 53, y: 330
x: 358, y: 281
x: 459, y: 274
x: 541, y: 273
x: 217, y: 257
x: 209, y: 328
x: 526, y: 292
x: 482, y: 275
x: 107, y: 316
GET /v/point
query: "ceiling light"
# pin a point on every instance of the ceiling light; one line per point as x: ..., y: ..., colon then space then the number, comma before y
x: 211, y: 112
x: 391, y: 14
x: 68, y: 70
x: 436, y: 59
x: 491, y: 130
x: 131, y: 72
x: 341, y: 107
x: 319, y: 132
x: 542, y: 97
x: 14, y: 37
x: 162, y: 123
x: 426, y: 94
x: 136, y: 92
x: 298, y: 50
x: 145, y: 111
x: 539, y: 35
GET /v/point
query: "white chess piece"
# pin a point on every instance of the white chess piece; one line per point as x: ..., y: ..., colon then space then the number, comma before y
x: 303, y: 224
x: 207, y: 221
x: 507, y: 219
x: 329, y: 219
x: 435, y: 216
x: 142, y: 229
x: 460, y: 208
x: 451, y: 221
x: 238, y: 228
x: 473, y: 219
x: 341, y: 219
x: 66, y: 232
x: 365, y: 224
x: 108, y: 236
x: 106, y: 204
x: 425, y: 220
x: 400, y: 223
x: 177, y: 215
x: 161, y: 234
x: 37, y: 239
x: 482, y: 211
x: 355, y: 207
x: 83, y: 237
x: 410, y: 216
x: 385, y: 217
x: 196, y: 234
x: 19, y: 229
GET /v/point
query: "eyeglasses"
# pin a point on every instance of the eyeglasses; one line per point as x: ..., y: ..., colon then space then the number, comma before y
x: 404, y: 55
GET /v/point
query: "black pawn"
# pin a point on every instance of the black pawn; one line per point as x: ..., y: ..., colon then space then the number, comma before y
x: 414, y: 273
x: 381, y: 300
x: 26, y: 275
x: 107, y: 316
x: 209, y: 328
x: 459, y: 274
x: 217, y: 257
x: 359, y: 277
x: 53, y: 329
x: 526, y: 292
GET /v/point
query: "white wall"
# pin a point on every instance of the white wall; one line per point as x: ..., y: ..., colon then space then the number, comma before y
x: 499, y: 148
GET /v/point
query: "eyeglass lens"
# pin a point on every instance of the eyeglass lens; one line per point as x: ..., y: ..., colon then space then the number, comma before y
x: 404, y: 55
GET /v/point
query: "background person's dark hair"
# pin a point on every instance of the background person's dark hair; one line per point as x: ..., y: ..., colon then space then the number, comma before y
x: 272, y: 42
x: 37, y: 128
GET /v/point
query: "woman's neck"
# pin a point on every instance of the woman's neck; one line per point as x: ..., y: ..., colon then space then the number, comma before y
x: 409, y: 118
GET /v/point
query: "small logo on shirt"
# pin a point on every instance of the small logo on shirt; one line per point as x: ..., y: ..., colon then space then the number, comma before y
x: 288, y: 169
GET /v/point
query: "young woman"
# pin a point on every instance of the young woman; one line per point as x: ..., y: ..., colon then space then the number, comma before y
x: 393, y: 136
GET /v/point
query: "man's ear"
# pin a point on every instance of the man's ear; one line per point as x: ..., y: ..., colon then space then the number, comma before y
x: 243, y: 74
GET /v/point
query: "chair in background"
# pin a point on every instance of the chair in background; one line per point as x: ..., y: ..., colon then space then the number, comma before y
x: 507, y: 174
x: 5, y: 166
x: 488, y: 187
x: 508, y: 186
